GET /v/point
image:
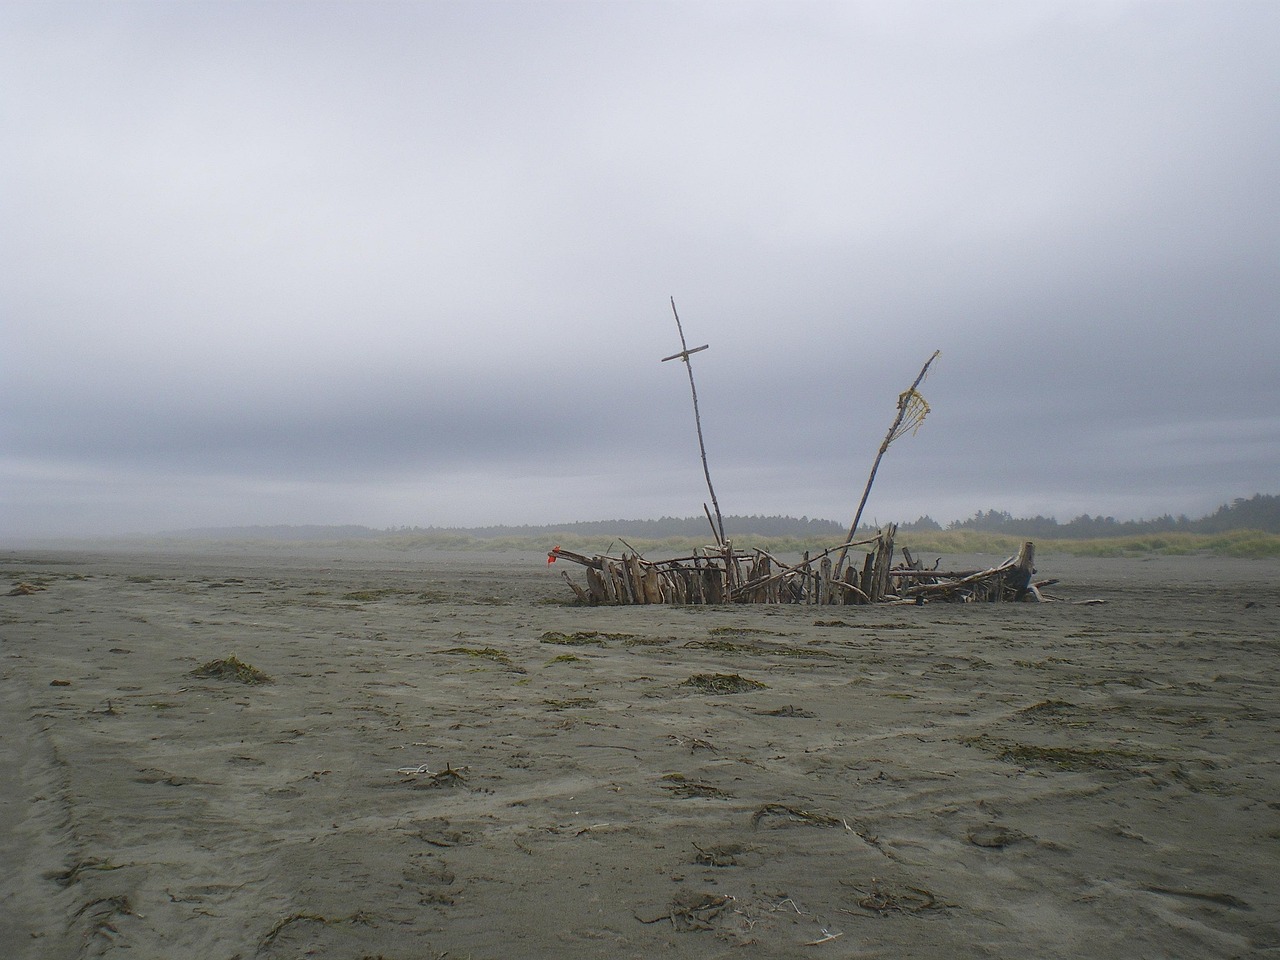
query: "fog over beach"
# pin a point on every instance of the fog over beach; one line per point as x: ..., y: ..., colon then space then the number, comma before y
x: 410, y: 263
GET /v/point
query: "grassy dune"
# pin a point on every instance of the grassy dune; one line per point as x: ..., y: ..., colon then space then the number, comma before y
x: 1235, y: 543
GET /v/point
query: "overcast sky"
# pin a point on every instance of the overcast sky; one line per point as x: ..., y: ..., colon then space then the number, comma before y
x: 410, y: 263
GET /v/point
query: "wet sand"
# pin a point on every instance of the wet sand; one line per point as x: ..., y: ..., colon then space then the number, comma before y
x: 452, y: 760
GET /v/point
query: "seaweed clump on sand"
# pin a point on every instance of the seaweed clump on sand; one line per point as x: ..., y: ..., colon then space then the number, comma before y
x: 485, y: 653
x: 232, y: 668
x: 722, y: 683
x: 583, y: 637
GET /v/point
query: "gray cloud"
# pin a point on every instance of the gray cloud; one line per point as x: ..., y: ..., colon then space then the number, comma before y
x: 409, y: 263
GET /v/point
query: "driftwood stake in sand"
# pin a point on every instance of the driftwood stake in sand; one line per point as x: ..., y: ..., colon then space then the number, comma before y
x: 911, y: 413
x: 706, y: 472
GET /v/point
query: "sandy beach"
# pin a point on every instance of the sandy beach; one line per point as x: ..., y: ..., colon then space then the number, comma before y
x: 450, y: 759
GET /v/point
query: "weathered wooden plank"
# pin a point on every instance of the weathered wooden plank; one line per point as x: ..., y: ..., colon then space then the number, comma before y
x: 577, y: 590
x: 1019, y: 577
x: 883, y: 561
x: 652, y: 586
x: 617, y: 585
x: 713, y: 584
x: 596, y: 586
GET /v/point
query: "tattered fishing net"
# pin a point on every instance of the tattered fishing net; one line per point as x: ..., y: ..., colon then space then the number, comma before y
x: 914, y: 409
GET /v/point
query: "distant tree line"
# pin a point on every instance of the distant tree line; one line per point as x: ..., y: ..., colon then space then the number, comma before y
x: 1259, y: 512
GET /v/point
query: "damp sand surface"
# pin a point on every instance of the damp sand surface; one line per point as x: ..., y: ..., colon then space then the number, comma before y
x: 348, y: 754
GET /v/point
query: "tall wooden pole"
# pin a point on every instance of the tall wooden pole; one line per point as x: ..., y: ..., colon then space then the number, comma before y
x: 904, y: 401
x: 697, y: 417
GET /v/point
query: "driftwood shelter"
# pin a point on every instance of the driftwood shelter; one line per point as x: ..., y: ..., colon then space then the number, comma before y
x: 721, y: 573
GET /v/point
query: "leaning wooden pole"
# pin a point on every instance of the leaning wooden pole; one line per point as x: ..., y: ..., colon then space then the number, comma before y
x: 904, y: 403
x: 697, y: 417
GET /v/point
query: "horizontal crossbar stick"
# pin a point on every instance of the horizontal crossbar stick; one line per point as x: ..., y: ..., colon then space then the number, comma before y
x: 946, y: 585
x: 559, y: 553
x: 940, y: 574
x: 684, y: 354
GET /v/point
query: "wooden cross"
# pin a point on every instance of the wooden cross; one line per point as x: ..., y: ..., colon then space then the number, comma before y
x: 718, y: 527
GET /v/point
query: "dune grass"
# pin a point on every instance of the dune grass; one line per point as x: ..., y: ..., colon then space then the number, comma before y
x: 1236, y: 543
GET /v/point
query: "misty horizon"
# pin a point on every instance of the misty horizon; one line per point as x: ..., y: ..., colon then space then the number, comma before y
x: 1259, y: 512
x: 409, y: 263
